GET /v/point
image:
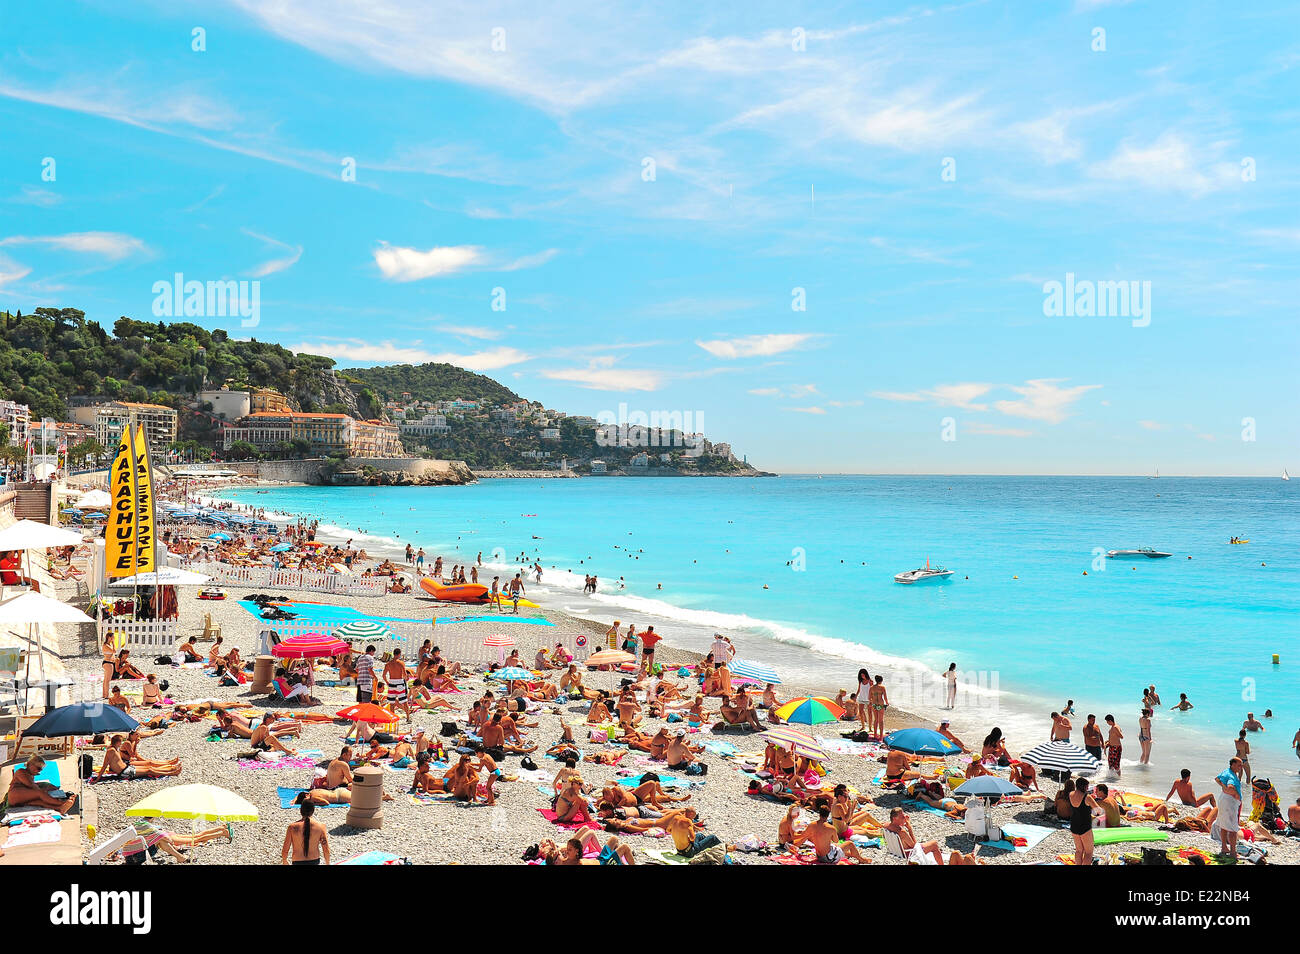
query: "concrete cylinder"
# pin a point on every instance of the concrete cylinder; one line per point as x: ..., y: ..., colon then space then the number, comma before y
x: 263, y: 673
x: 366, y: 810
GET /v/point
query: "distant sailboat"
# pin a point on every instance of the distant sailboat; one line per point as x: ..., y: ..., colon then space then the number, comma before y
x: 1285, y: 475
x: 1156, y: 476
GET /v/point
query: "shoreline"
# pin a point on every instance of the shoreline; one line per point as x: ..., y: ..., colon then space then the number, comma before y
x: 914, y: 686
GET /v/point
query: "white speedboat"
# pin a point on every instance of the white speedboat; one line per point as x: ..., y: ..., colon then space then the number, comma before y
x: 1143, y: 552
x: 922, y: 574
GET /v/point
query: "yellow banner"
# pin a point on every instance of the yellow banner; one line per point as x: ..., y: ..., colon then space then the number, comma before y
x: 129, y: 539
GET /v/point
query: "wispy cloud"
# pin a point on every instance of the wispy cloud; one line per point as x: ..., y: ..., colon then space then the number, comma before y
x: 946, y: 395
x: 1170, y: 163
x: 807, y: 410
x: 1042, y: 400
x: 113, y: 246
x: 472, y: 331
x: 401, y: 264
x: 11, y: 271
x: 602, y: 375
x: 754, y: 346
x: 790, y: 391
x: 386, y: 352
x: 276, y: 264
x: 987, y: 430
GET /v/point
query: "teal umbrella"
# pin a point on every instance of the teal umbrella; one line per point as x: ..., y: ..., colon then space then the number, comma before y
x: 921, y: 741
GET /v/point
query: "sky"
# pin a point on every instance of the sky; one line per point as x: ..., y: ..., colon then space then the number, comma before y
x: 827, y: 232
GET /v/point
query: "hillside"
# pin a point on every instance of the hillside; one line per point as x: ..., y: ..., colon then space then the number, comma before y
x: 430, y: 382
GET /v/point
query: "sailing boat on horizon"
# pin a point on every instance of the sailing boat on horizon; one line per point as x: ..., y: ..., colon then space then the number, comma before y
x: 1155, y: 476
x: 1285, y: 475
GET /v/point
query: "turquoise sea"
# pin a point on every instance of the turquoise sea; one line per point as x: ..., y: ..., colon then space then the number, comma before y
x: 798, y: 570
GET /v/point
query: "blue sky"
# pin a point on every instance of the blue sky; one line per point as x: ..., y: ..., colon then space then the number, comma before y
x: 919, y: 172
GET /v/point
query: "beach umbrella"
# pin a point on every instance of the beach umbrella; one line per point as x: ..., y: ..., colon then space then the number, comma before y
x: 753, y: 670
x: 363, y: 629
x: 281, y: 547
x: 810, y: 710
x: 82, y: 718
x: 986, y: 786
x: 610, y: 657
x: 1061, y: 757
x: 164, y: 576
x: 501, y: 641
x: 34, y: 608
x: 921, y: 742
x: 310, y: 646
x: 366, y: 712
x: 71, y: 511
x: 30, y: 535
x: 313, y: 543
x: 224, y: 537
x: 207, y: 802
x: 799, y: 743
x: 513, y: 674
x: 94, y: 500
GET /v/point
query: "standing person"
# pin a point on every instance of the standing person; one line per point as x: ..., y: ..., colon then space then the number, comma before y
x: 1060, y: 728
x: 1092, y: 737
x: 1144, y: 736
x: 306, y: 839
x: 860, y: 697
x: 722, y: 649
x: 419, y: 560
x: 879, y: 701
x: 516, y: 590
x: 611, y: 635
x: 366, y: 675
x: 109, y: 652
x: 1243, y: 753
x: 395, y: 679
x: 1081, y: 806
x: 1114, y: 745
x: 1295, y: 743
x: 648, y: 640
x: 480, y: 558
x: 951, y: 678
x: 1229, y: 819
x: 494, y: 595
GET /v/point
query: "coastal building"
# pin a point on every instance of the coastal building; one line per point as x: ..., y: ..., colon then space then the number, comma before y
x: 641, y: 460
x: 264, y: 430
x: 107, y: 420
x: 722, y: 450
x: 432, y: 424
x: 549, y: 434
x: 74, y: 434
x: 227, y: 404
x: 268, y: 400
x: 16, y: 417
x: 327, y: 435
x: 376, y: 439
x: 598, y: 467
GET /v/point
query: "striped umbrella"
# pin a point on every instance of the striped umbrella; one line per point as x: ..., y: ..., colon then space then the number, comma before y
x: 363, y: 629
x: 513, y: 674
x: 310, y: 646
x: 1061, y: 757
x: 810, y: 710
x: 610, y: 657
x: 499, y: 639
x: 799, y: 743
x: 753, y: 670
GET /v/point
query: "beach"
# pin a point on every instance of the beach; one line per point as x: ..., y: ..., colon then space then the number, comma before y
x: 445, y: 832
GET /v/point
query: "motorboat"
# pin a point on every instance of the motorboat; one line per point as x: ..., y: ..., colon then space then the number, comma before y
x: 921, y: 574
x: 1142, y: 552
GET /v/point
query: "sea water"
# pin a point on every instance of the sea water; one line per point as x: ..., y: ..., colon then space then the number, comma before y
x: 798, y: 570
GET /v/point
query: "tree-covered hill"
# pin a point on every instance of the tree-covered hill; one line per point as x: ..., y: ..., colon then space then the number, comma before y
x: 431, y: 382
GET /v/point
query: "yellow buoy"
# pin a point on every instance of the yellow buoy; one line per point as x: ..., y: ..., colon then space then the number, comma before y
x: 1276, y: 659
x: 1015, y: 578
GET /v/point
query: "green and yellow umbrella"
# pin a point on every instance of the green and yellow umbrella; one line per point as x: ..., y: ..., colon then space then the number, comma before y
x: 207, y: 802
x: 810, y: 710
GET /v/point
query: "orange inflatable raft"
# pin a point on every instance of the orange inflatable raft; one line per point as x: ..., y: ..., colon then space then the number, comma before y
x: 455, y: 593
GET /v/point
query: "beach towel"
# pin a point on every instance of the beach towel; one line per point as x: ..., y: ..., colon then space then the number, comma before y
x: 420, y: 798
x: 48, y: 774
x: 40, y: 834
x: 803, y: 856
x: 667, y: 781
x: 550, y: 817
x: 1020, y: 838
x: 719, y: 747
x: 921, y: 806
x: 287, y: 795
x: 374, y: 858
x: 286, y: 762
x: 1115, y: 836
x: 663, y: 856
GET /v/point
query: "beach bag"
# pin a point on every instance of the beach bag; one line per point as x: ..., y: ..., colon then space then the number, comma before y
x: 86, y: 766
x: 449, y: 730
x: 1155, y: 856
x: 715, y: 855
x: 599, y: 735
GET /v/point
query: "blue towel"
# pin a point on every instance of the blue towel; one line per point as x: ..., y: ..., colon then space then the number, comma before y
x: 48, y: 774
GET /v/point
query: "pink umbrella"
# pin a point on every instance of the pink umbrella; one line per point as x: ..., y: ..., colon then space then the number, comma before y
x: 501, y: 641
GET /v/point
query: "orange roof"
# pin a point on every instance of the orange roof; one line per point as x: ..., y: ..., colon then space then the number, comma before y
x: 156, y: 407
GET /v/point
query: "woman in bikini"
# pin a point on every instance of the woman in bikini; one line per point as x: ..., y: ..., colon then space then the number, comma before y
x: 124, y: 668
x: 1081, y: 808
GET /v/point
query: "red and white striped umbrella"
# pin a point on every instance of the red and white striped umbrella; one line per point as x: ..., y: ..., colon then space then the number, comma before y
x: 499, y: 639
x: 310, y: 646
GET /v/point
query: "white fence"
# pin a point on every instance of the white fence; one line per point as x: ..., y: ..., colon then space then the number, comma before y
x: 456, y: 648
x: 151, y: 635
x: 312, y: 581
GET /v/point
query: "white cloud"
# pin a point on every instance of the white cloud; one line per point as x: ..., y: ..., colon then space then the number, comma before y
x: 807, y: 410
x: 113, y: 246
x: 946, y: 395
x: 753, y: 346
x: 472, y: 331
x: 400, y: 264
x: 1151, y: 425
x: 386, y: 352
x: 766, y: 392
x: 11, y: 271
x: 601, y: 375
x: 793, y: 391
x: 986, y: 430
x: 530, y: 261
x: 1042, y: 400
x: 276, y: 264
x: 1168, y: 163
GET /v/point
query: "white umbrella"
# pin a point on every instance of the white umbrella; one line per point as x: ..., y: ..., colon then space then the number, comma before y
x: 35, y: 608
x: 165, y: 576
x: 95, y: 498
x: 30, y: 535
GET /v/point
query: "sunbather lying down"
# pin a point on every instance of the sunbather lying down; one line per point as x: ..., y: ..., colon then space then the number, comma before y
x: 330, y: 796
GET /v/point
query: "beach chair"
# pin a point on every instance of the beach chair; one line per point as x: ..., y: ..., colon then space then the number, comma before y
x: 281, y: 691
x: 893, y: 844
x: 100, y: 853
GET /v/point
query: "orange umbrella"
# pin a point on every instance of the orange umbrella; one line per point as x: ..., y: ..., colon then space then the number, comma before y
x: 610, y: 657
x: 366, y: 712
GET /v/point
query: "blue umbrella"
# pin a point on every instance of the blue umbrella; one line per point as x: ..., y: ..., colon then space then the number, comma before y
x: 218, y: 536
x: 513, y: 673
x: 70, y: 510
x: 986, y: 786
x: 921, y: 742
x: 82, y: 718
x: 281, y: 547
x: 752, y: 670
